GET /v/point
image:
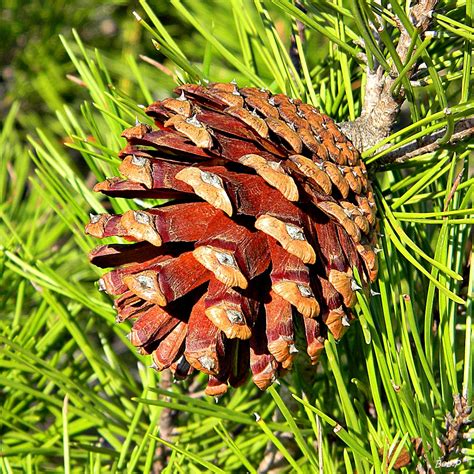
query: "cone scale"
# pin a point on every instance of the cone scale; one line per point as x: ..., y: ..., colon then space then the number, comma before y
x: 271, y: 212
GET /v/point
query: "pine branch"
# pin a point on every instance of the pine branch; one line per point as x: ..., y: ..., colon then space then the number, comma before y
x: 300, y: 31
x: 428, y: 144
x: 381, y: 104
x: 166, y: 425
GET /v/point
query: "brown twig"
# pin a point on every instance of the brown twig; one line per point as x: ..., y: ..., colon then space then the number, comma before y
x: 76, y: 80
x: 456, y: 424
x: 166, y: 426
x: 454, y: 187
x: 381, y: 107
x: 294, y: 55
x: 157, y: 64
x: 428, y: 144
x: 273, y: 461
x: 456, y: 430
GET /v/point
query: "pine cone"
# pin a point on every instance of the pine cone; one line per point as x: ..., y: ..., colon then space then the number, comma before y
x: 271, y: 212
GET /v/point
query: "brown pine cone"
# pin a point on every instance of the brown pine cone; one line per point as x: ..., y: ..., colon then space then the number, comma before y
x: 271, y: 211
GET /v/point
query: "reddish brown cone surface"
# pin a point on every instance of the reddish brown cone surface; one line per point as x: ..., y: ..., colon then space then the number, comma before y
x: 273, y: 212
